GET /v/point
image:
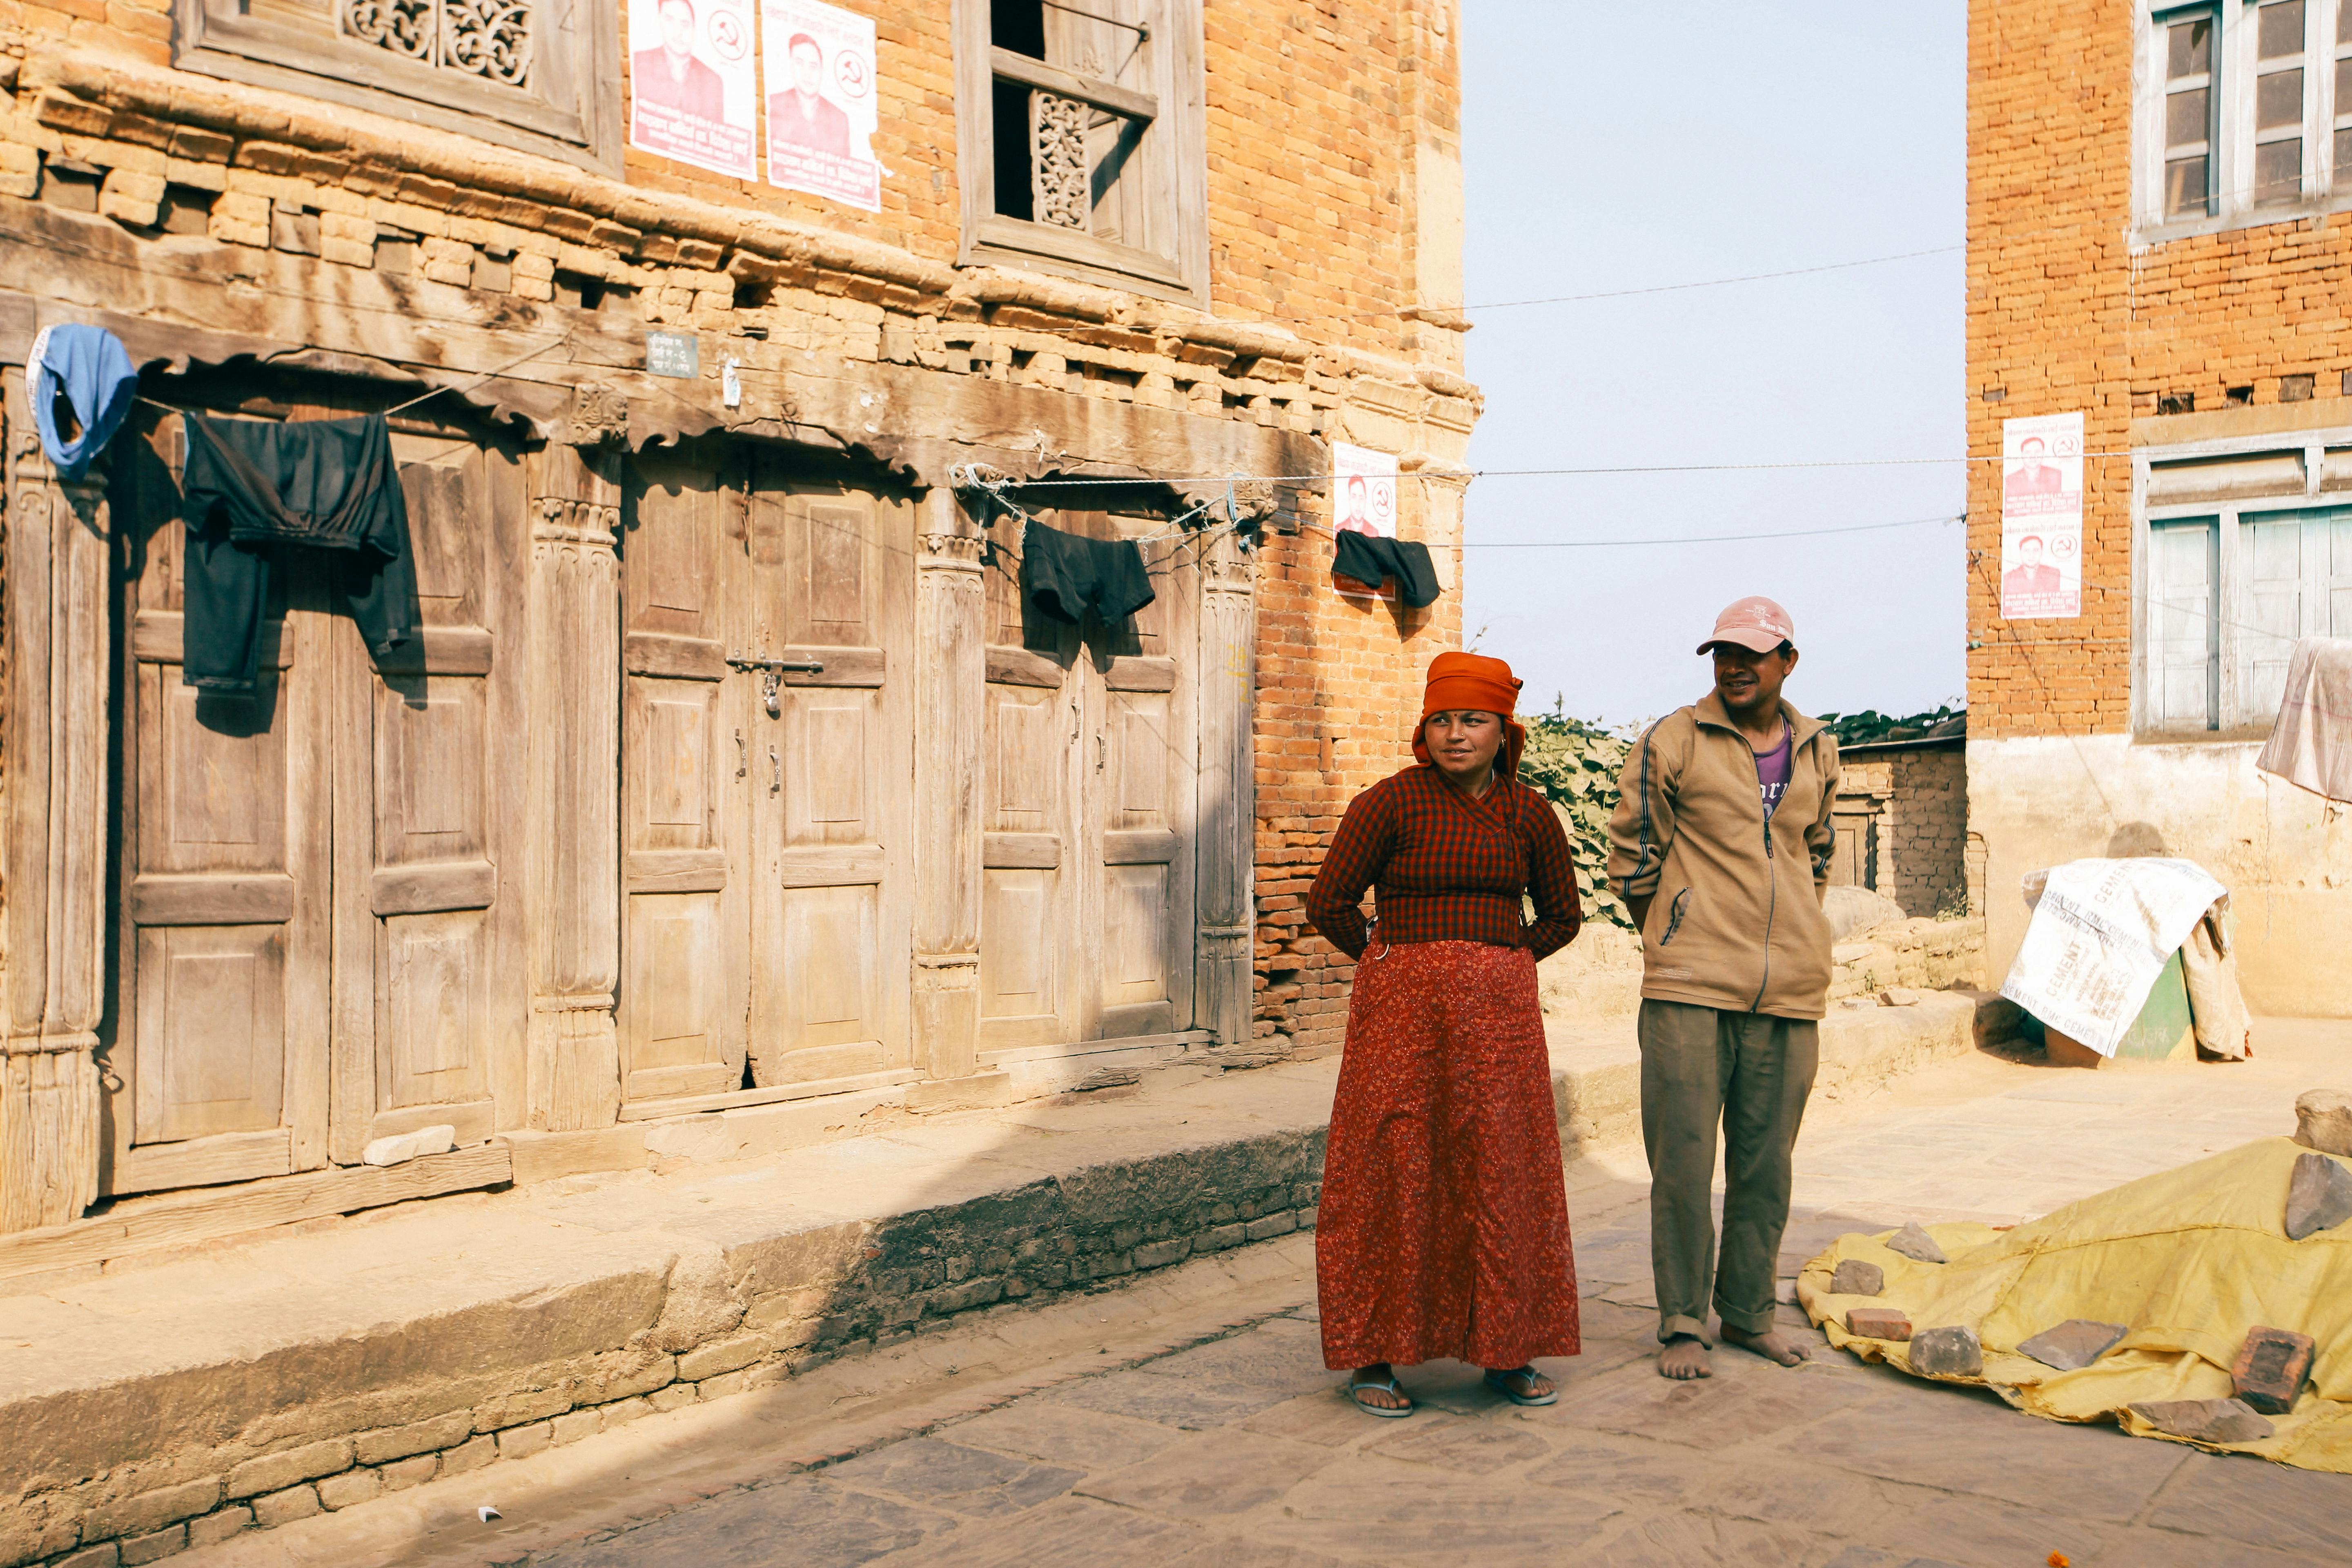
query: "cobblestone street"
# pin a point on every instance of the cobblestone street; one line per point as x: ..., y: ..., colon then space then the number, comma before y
x: 1192, y: 1421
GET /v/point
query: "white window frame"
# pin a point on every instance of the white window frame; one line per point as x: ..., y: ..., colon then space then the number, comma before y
x: 2232, y: 200
x: 568, y: 108
x: 1175, y: 162
x: 2235, y: 718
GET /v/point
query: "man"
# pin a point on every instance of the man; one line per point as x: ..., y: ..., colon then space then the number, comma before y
x: 1720, y: 848
x: 2032, y: 574
x: 671, y: 77
x: 1357, y: 513
x: 803, y: 116
x: 2035, y: 476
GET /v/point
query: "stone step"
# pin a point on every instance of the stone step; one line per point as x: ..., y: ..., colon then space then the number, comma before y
x: 261, y: 1381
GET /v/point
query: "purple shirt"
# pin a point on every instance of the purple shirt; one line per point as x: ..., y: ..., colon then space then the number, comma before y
x: 1773, y: 769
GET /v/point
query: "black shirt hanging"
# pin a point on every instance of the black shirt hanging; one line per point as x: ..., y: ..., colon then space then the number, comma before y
x: 1367, y: 558
x: 1063, y: 575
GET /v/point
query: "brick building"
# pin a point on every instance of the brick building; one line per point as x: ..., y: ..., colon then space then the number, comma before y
x: 1902, y: 821
x: 730, y: 795
x: 2156, y: 240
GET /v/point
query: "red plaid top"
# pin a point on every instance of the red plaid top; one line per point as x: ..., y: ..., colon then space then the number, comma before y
x: 1446, y: 869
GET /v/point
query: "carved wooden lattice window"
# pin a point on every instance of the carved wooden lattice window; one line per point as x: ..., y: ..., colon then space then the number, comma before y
x: 1086, y: 115
x: 514, y: 72
x: 488, y: 38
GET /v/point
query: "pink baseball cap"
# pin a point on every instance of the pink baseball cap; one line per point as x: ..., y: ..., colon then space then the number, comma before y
x: 1755, y: 623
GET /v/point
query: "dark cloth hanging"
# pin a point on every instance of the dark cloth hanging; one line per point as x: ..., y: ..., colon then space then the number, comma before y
x: 1065, y: 576
x: 254, y: 486
x: 1367, y: 558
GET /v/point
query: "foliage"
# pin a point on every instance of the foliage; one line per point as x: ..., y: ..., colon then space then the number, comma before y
x: 1856, y: 729
x: 1575, y: 764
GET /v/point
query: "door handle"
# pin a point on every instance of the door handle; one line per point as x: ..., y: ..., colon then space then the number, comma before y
x: 775, y: 771
x: 771, y: 676
x: 742, y: 756
x: 1102, y: 752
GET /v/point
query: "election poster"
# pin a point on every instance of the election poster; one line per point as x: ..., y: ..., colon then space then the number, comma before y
x: 2041, y: 518
x: 817, y: 69
x: 692, y: 88
x: 1363, y: 501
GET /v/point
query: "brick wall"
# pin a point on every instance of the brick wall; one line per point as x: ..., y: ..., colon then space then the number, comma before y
x: 1922, y: 857
x: 2063, y: 314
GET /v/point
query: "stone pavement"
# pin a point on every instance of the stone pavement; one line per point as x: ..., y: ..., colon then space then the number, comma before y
x: 1200, y: 1428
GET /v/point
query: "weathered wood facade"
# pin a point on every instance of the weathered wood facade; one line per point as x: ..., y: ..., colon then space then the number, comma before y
x: 729, y: 770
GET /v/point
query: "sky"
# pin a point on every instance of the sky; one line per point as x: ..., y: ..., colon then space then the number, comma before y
x: 1629, y: 146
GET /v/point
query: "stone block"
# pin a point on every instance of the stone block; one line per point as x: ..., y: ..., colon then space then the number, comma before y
x: 623, y: 1411
x: 2271, y: 1369
x: 676, y: 1396
x: 276, y: 1472
x: 401, y: 1147
x: 2323, y: 1120
x: 2217, y: 1421
x: 1878, y: 1323
x: 294, y: 232
x: 522, y: 1442
x: 362, y: 1485
x: 1951, y: 1351
x: 214, y: 1527
x: 515, y: 1409
x: 154, y: 1548
x: 578, y: 1423
x: 1158, y: 1254
x: 726, y: 1355
x: 470, y: 1455
x: 402, y: 1474
x: 285, y: 1507
x: 101, y: 1556
x: 418, y: 1437
x: 2073, y: 1345
x: 149, y: 1511
x: 1856, y: 1277
x: 1269, y: 1228
x: 2319, y: 1196
x: 624, y: 1377
x: 1914, y: 1242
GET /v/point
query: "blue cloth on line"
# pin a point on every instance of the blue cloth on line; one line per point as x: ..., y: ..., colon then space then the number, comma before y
x: 94, y: 370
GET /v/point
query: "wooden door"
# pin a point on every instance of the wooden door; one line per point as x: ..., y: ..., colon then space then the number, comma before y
x: 686, y: 762
x: 218, y: 1049
x: 1087, y: 912
x: 830, y: 579
x: 430, y: 983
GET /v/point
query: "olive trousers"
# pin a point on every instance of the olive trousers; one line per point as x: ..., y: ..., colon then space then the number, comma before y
x: 1749, y: 1073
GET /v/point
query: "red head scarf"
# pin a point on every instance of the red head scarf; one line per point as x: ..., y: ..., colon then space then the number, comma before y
x: 1469, y: 681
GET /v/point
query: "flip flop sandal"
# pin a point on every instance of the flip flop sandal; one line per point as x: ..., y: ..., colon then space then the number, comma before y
x: 1501, y: 1381
x: 1390, y: 1385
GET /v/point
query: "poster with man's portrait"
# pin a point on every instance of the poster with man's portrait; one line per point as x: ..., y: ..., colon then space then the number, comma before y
x: 2041, y: 518
x: 691, y: 87
x: 817, y: 65
x: 1363, y: 501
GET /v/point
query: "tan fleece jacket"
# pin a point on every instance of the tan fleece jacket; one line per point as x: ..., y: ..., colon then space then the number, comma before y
x: 1735, y: 918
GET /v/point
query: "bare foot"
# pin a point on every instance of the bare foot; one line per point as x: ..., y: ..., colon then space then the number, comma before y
x: 1375, y: 1388
x: 1770, y: 1344
x: 1683, y: 1359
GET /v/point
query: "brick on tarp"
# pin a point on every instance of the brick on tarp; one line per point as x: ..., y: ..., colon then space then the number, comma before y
x: 2073, y: 1345
x: 2205, y: 1420
x: 1949, y: 1352
x: 1878, y: 1323
x: 2319, y: 1196
x: 2271, y: 1369
x: 1856, y: 1277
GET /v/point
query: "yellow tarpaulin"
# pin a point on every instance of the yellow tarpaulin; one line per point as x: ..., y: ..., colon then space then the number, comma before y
x: 2187, y: 1262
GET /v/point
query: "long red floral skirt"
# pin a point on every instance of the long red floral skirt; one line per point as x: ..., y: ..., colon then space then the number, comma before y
x: 1443, y: 1226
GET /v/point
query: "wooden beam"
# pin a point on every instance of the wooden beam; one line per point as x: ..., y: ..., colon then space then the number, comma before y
x: 1108, y: 95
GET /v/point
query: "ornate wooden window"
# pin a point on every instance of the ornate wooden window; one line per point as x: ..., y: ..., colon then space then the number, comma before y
x: 524, y: 73
x: 1081, y: 125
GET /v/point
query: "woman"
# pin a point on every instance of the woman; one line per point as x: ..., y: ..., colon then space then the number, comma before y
x: 1443, y: 1226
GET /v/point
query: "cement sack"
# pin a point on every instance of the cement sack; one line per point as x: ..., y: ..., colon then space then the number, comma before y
x: 2216, y: 1008
x: 2102, y: 932
x: 2311, y: 740
x: 2187, y: 1262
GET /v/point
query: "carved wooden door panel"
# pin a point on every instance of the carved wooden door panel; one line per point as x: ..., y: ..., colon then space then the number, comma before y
x: 430, y: 979
x: 1140, y: 787
x: 1086, y: 913
x: 829, y: 620
x: 218, y: 1064
x: 686, y: 740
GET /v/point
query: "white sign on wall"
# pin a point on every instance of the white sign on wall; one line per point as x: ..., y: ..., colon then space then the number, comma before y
x: 1363, y: 489
x: 818, y: 65
x: 2041, y: 518
x: 691, y: 87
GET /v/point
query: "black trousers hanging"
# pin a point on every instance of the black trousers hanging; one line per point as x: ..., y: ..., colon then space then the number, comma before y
x: 1367, y: 558
x: 254, y: 488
